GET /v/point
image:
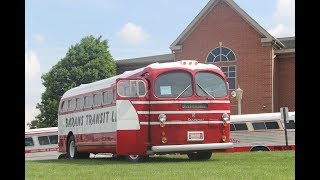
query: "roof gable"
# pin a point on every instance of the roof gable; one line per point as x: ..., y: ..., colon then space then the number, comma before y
x: 266, y: 37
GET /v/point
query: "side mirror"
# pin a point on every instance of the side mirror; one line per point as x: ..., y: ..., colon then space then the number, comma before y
x: 233, y: 94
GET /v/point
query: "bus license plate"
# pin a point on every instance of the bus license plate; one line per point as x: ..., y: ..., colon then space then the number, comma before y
x: 195, y: 136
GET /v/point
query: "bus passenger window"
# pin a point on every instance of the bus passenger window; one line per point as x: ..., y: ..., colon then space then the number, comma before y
x: 72, y: 104
x: 28, y: 142
x: 258, y: 126
x: 232, y: 127
x: 80, y: 103
x: 43, y: 140
x: 142, y: 88
x: 272, y: 125
x: 64, y: 106
x: 113, y: 95
x: 88, y: 101
x: 109, y: 96
x: 291, y: 125
x: 97, y: 99
x: 133, y: 89
x: 105, y: 97
x: 240, y: 126
x: 53, y: 139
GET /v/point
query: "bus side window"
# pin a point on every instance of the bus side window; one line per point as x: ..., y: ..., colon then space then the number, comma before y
x: 53, y: 139
x: 88, y: 101
x: 28, y: 142
x: 105, y: 97
x: 80, y: 103
x: 258, y: 125
x: 232, y: 127
x: 291, y: 125
x: 131, y: 88
x: 114, y: 95
x: 72, y: 104
x: 64, y: 106
x: 97, y: 99
x: 240, y: 126
x: 141, y: 88
x: 109, y: 96
x: 43, y: 140
x: 272, y: 125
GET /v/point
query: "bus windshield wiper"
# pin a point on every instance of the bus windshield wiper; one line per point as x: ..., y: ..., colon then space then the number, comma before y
x: 205, y: 91
x: 182, y: 92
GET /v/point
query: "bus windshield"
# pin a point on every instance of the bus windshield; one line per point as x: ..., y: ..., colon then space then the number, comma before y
x: 210, y: 85
x: 174, y: 84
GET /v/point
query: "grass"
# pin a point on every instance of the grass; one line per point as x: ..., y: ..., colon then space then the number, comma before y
x: 244, y: 165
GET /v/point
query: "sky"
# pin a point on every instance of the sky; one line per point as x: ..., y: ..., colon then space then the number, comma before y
x: 133, y: 29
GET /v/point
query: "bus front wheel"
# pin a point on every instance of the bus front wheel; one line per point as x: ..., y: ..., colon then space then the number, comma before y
x: 259, y: 148
x: 136, y: 158
x: 200, y: 155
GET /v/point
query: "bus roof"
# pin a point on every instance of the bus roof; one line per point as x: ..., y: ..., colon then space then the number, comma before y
x: 105, y: 83
x: 41, y: 130
x: 260, y: 116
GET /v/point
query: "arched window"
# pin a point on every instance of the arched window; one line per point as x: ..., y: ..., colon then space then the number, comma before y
x: 220, y: 54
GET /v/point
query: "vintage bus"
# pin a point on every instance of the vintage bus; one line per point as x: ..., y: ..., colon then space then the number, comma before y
x: 261, y: 132
x: 41, y: 144
x: 175, y: 107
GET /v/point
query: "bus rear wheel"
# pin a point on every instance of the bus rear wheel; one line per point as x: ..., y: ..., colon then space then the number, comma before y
x: 136, y: 158
x: 200, y: 155
x: 72, y: 152
x: 259, y: 148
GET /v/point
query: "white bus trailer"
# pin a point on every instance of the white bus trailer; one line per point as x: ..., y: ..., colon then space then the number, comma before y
x: 41, y: 144
x: 261, y: 132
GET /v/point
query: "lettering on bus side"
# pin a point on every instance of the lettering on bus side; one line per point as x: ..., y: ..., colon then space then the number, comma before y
x: 91, y: 119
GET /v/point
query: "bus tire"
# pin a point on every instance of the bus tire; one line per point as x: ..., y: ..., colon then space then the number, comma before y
x: 199, y: 155
x: 259, y: 148
x: 136, y: 158
x: 206, y: 155
x: 62, y: 156
x: 115, y: 156
x: 72, y: 149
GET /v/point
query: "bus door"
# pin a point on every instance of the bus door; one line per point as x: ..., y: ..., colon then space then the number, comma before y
x: 132, y: 116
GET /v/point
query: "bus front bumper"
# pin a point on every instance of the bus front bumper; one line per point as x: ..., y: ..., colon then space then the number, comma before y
x: 191, y: 147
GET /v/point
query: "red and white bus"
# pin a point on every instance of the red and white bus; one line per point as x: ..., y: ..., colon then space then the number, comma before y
x: 176, y: 107
x: 41, y: 143
x: 261, y: 132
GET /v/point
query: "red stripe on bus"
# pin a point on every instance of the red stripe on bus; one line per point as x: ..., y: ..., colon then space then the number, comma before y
x: 40, y: 150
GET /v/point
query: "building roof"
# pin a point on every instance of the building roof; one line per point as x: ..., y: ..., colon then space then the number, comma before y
x: 148, y: 59
x: 289, y: 49
x: 266, y: 37
x: 134, y: 63
x: 289, y: 42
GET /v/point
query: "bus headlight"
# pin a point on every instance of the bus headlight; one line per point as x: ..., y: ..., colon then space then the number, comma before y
x: 162, y: 118
x: 225, y: 117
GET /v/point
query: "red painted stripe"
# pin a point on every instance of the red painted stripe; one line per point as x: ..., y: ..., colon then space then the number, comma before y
x: 40, y: 150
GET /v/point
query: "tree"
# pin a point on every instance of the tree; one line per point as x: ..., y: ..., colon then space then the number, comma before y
x: 85, y: 62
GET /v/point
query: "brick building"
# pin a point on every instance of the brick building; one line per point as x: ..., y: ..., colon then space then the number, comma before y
x: 225, y: 35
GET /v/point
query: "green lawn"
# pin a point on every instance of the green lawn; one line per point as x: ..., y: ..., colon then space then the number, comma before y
x: 246, y: 165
